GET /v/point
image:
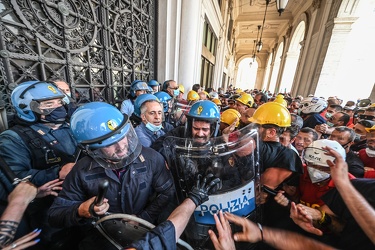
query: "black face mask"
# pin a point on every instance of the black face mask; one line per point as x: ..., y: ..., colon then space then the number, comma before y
x: 57, y: 116
x: 346, y: 145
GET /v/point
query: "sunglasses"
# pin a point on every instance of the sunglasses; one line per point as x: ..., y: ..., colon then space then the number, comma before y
x: 366, y: 117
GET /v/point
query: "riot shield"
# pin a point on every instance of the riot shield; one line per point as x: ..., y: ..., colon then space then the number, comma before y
x: 123, y: 229
x: 233, y: 159
x: 177, y: 114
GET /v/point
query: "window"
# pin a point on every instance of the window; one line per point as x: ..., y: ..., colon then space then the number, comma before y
x: 208, y: 56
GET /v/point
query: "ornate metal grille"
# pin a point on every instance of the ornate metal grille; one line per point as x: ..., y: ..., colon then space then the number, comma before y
x: 98, y: 46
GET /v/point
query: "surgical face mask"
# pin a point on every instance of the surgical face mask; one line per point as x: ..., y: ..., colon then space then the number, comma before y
x: 370, y: 152
x: 346, y: 145
x: 58, y: 115
x: 152, y: 127
x: 328, y: 115
x: 317, y: 175
x: 358, y: 136
x: 176, y: 92
x: 66, y: 98
x: 330, y: 124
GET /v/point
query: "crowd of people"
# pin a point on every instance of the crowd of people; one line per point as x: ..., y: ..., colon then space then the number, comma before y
x: 163, y: 157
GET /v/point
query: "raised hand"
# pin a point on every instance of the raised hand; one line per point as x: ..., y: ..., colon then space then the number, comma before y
x: 250, y: 230
x: 200, y: 191
x: 225, y: 240
x: 339, y: 168
x: 304, y: 216
x: 49, y: 188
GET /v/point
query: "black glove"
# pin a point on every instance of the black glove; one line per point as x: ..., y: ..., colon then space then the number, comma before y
x: 199, y: 192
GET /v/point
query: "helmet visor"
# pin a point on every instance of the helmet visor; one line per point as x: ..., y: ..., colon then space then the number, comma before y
x: 119, y: 154
x: 46, y: 107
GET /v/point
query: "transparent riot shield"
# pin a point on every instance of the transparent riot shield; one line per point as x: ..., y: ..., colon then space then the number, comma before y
x: 233, y: 159
x: 177, y: 114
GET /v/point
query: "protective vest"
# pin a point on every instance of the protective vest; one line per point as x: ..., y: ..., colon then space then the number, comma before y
x: 44, y: 153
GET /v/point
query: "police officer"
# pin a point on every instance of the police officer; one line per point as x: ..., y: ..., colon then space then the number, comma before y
x: 137, y: 88
x: 40, y: 145
x: 200, y: 126
x: 151, y: 114
x: 135, y: 117
x: 197, y: 149
x: 139, y: 181
x: 154, y: 85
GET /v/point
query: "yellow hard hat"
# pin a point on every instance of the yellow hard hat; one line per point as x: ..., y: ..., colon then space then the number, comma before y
x: 246, y: 99
x: 217, y: 101
x: 206, y: 93
x: 238, y: 91
x: 280, y: 99
x: 369, y: 130
x: 181, y: 88
x: 272, y: 113
x: 192, y: 96
x: 229, y: 116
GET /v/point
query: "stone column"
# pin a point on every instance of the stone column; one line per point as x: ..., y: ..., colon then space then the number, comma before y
x: 190, y: 43
x: 168, y: 36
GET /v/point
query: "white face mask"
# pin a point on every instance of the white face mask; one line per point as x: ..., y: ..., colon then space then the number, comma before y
x: 66, y: 99
x: 317, y: 175
x: 328, y: 115
x: 330, y: 124
x: 370, y: 152
x: 358, y: 136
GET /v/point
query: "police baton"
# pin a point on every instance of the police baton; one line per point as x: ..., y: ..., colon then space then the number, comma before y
x: 10, y: 175
x: 102, y: 191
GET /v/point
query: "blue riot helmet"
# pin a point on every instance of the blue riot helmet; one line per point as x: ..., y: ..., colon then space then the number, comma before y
x: 165, y: 99
x: 138, y: 85
x: 150, y: 90
x: 27, y: 96
x: 105, y: 134
x: 153, y: 83
x: 140, y: 100
x: 203, y: 111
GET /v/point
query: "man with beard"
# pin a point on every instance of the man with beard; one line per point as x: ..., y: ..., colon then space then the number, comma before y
x: 139, y: 180
x: 203, y: 122
x: 196, y: 150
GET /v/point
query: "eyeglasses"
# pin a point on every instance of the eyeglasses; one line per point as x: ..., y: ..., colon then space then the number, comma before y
x: 366, y: 117
x: 231, y: 103
x: 176, y: 88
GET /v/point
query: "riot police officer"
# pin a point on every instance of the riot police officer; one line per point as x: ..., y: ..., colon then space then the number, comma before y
x: 197, y: 149
x: 40, y: 143
x: 139, y: 181
x: 137, y: 88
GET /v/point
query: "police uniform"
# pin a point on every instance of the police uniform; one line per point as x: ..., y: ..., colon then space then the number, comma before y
x: 127, y: 107
x: 43, y: 153
x: 129, y: 189
x: 145, y: 136
x: 161, y: 237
